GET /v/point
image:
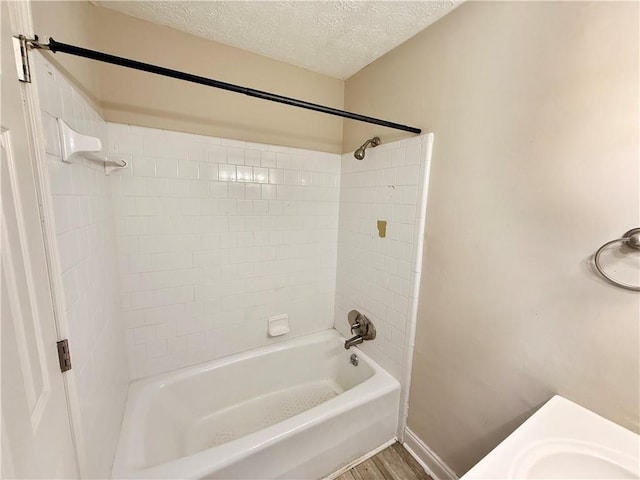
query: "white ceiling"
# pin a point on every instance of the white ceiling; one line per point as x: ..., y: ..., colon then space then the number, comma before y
x: 334, y: 37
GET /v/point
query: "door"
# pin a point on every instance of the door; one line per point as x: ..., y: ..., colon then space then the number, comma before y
x: 36, y: 432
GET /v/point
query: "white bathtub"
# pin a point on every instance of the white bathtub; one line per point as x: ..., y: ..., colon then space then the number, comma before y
x: 297, y: 410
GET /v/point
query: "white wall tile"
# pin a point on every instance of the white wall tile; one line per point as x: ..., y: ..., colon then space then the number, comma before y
x: 227, y: 173
x: 217, y: 154
x: 244, y: 174
x: 153, y: 141
x: 208, y: 171
x: 198, y: 151
x: 276, y: 176
x: 188, y: 168
x: 235, y: 155
x: 167, y: 167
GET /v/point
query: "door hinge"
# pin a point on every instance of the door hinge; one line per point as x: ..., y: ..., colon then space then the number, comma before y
x: 21, y: 53
x: 64, y: 355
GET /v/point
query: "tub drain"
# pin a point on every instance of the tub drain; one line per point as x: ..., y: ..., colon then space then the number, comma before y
x: 354, y: 360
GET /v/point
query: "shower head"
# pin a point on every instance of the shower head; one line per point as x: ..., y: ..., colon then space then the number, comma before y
x: 359, y: 153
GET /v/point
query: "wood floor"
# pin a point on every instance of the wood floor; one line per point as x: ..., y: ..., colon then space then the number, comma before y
x: 392, y: 463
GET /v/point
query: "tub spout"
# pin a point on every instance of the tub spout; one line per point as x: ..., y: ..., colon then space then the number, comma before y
x: 355, y: 340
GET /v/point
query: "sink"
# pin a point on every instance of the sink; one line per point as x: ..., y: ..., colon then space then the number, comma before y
x: 563, y: 440
x: 572, y: 460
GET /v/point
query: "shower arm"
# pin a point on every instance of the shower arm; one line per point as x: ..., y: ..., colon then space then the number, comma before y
x: 56, y: 47
x: 374, y: 142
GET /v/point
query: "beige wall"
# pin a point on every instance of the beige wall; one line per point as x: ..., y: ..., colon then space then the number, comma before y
x: 139, y: 98
x: 70, y: 22
x: 535, y: 165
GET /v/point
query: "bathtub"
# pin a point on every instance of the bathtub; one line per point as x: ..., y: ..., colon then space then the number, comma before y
x: 297, y: 409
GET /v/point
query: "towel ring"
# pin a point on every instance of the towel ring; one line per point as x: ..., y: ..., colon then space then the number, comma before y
x: 631, y: 239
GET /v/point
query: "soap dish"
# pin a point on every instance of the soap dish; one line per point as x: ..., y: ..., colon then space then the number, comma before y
x: 279, y: 325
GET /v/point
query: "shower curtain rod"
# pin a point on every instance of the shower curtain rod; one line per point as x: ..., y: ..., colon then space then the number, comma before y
x: 167, y: 72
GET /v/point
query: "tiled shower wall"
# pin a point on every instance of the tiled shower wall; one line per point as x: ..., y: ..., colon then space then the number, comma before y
x: 379, y: 275
x: 214, y: 237
x: 87, y: 259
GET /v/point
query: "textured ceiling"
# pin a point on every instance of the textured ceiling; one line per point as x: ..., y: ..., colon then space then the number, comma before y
x: 336, y: 38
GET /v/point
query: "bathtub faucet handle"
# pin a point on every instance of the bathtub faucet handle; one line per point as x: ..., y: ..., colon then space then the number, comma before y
x: 362, y: 327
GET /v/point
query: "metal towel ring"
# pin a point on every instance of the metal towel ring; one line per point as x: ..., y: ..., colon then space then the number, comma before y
x: 631, y: 239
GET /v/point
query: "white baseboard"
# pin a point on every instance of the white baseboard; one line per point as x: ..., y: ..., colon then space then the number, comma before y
x: 426, y: 457
x: 358, y: 461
